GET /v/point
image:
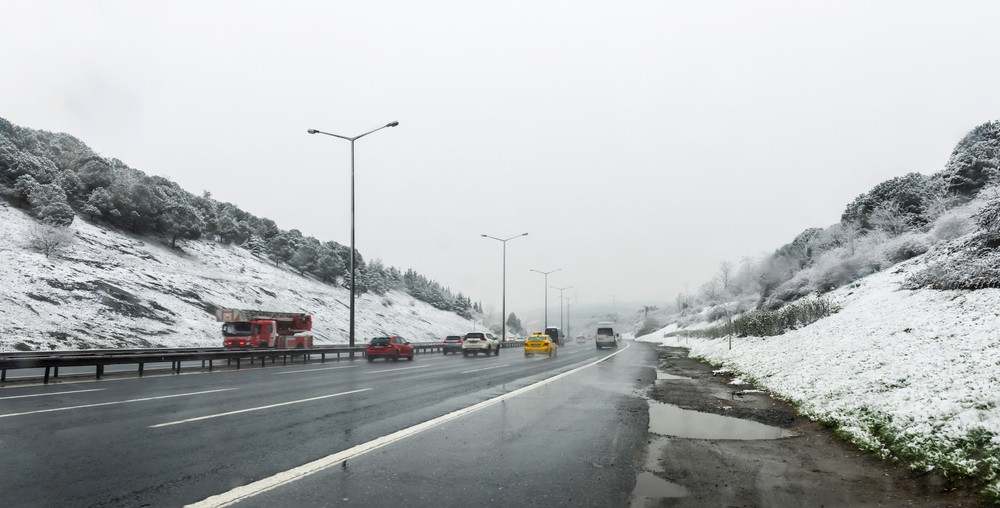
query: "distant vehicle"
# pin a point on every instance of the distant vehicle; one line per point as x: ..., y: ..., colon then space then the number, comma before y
x: 392, y: 347
x: 264, y: 328
x: 540, y: 344
x: 480, y: 342
x: 554, y: 335
x: 580, y: 339
x: 452, y: 344
x: 605, y: 335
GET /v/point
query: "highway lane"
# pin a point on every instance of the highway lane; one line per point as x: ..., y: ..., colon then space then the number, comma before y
x: 576, y: 442
x: 178, y: 439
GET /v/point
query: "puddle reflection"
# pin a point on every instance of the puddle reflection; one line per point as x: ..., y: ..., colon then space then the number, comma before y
x: 660, y: 375
x: 670, y: 420
x: 650, y: 486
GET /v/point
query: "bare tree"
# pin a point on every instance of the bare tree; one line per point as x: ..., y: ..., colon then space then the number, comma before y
x: 889, y: 217
x: 50, y: 240
x: 726, y: 277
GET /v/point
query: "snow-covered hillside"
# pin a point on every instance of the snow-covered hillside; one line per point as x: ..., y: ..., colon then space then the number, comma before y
x: 110, y: 290
x: 913, y: 374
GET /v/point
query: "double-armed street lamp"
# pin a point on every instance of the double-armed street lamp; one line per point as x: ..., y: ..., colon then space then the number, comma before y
x: 352, y: 139
x: 503, y: 305
x: 546, y: 274
x: 561, y: 300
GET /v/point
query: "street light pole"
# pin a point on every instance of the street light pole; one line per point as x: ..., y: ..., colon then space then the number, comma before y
x: 546, y: 274
x: 568, y: 334
x: 503, y: 305
x: 561, y: 305
x: 353, y: 250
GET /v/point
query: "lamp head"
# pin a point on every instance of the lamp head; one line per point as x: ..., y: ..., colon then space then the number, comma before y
x: 312, y: 131
x: 392, y: 124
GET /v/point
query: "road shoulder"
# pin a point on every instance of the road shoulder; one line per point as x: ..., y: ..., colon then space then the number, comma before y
x: 813, y: 468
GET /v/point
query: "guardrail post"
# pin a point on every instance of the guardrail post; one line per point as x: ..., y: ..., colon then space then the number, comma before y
x: 46, y: 381
x: 237, y: 364
x: 3, y: 375
x: 210, y: 365
x: 263, y: 361
x: 141, y: 365
x: 100, y: 370
x: 55, y: 373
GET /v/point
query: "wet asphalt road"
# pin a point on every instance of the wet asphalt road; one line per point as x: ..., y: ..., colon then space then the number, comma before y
x: 181, y: 439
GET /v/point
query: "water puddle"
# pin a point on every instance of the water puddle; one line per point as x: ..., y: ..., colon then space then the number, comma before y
x: 648, y: 486
x: 670, y: 420
x: 660, y: 376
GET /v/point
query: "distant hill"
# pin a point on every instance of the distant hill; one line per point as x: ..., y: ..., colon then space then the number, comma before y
x: 956, y: 208
x: 59, y: 181
x: 98, y: 254
x: 108, y: 289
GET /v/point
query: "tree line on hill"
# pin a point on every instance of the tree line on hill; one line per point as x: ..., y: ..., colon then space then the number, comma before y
x: 957, y: 208
x: 56, y: 177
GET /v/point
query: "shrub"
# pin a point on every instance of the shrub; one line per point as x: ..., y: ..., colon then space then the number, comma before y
x: 951, y: 226
x: 768, y: 323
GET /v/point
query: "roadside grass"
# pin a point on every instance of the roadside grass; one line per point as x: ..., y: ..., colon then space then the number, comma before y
x: 970, y: 461
x: 766, y: 323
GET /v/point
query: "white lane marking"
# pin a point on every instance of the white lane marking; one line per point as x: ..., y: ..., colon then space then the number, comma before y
x: 272, y: 482
x: 484, y: 368
x: 47, y: 394
x: 394, y: 370
x: 314, y: 370
x: 114, y: 402
x: 217, y: 415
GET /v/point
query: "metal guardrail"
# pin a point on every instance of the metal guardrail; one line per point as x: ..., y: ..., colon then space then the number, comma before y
x: 51, y: 361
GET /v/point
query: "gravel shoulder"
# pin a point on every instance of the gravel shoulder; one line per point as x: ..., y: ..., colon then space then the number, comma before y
x: 815, y: 467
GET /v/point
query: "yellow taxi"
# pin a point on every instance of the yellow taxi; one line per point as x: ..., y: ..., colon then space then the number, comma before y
x: 539, y: 344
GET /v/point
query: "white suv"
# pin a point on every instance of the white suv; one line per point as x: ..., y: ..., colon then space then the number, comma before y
x: 476, y: 342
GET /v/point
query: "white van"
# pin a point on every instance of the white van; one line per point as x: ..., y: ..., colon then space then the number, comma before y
x: 605, y: 335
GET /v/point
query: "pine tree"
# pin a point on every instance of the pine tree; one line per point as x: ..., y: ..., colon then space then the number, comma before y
x: 514, y: 324
x: 181, y: 220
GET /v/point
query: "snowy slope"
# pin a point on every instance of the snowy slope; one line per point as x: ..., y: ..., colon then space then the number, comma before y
x: 111, y: 290
x: 906, y: 373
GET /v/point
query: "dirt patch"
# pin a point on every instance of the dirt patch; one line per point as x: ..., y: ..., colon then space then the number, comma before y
x: 812, y: 468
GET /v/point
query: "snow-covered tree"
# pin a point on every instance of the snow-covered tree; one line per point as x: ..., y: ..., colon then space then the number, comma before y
x: 910, y: 194
x: 306, y: 255
x: 974, y: 162
x: 514, y: 324
x: 49, y: 204
x: 180, y: 219
x: 101, y: 204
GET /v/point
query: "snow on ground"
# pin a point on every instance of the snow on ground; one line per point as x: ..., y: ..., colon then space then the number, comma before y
x: 905, y: 373
x: 109, y: 289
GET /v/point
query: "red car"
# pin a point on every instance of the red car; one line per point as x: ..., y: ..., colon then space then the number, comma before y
x: 393, y: 346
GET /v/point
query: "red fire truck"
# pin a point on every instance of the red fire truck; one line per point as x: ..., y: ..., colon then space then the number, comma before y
x: 263, y: 328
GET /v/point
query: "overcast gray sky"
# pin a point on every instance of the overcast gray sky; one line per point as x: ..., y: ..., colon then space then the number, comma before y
x: 639, y: 143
